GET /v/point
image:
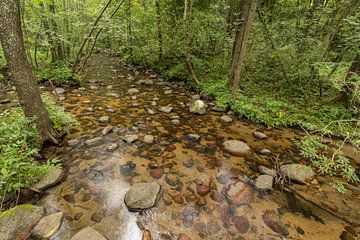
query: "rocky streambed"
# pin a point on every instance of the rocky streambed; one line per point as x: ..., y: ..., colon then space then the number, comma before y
x: 153, y: 160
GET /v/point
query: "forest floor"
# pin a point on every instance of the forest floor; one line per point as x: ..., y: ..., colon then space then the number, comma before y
x: 136, y: 127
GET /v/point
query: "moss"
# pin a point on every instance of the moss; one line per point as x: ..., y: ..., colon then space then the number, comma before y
x: 27, y: 207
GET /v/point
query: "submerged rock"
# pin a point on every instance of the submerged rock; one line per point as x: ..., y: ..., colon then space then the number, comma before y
x: 240, y: 193
x: 17, y: 223
x: 242, y: 224
x: 297, y: 172
x: 104, y: 119
x: 193, y: 137
x: 142, y: 196
x: 88, y: 233
x: 48, y: 226
x: 198, y: 107
x: 273, y: 221
x: 236, y: 148
x: 166, y: 109
x: 149, y: 139
x: 112, y: 147
x: 132, y: 91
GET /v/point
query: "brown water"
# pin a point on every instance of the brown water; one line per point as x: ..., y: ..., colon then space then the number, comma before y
x: 97, y: 180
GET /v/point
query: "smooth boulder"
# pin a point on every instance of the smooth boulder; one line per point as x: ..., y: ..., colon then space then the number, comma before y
x: 53, y: 177
x: 236, y: 148
x: 297, y: 172
x: 48, y: 226
x: 17, y: 223
x: 142, y: 196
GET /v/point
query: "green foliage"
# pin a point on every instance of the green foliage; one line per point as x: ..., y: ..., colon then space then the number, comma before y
x: 325, y: 162
x: 18, y: 143
x: 58, y: 75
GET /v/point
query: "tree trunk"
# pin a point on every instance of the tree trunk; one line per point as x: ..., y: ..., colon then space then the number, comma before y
x: 21, y: 73
x: 241, y: 39
x: 158, y: 19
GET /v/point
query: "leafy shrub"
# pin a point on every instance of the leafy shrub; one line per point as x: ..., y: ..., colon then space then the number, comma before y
x: 18, y: 143
x: 57, y: 74
x: 335, y: 164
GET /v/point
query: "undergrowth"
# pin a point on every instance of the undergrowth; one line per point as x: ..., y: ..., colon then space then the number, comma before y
x: 18, y: 143
x: 57, y: 74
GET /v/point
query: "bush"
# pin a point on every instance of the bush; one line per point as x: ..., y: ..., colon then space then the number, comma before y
x: 18, y: 143
x: 57, y: 74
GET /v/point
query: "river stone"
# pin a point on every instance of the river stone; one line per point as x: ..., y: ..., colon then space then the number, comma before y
x: 93, y: 141
x: 297, y: 172
x: 88, y: 233
x: 166, y: 109
x: 50, y: 179
x: 198, y: 107
x: 172, y: 179
x: 236, y: 148
x: 273, y: 221
x: 241, y: 223
x: 166, y: 92
x: 59, y: 91
x: 239, y: 193
x: 48, y: 226
x: 264, y: 182
x: 133, y: 91
x: 265, y: 151
x: 260, y: 135
x: 130, y: 138
x: 149, y: 139
x: 226, y: 119
x: 104, y: 119
x: 267, y: 171
x: 193, y: 137
x: 107, y: 130
x: 17, y: 223
x: 112, y: 147
x: 142, y: 196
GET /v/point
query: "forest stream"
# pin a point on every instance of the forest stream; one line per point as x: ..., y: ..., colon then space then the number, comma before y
x: 183, y: 153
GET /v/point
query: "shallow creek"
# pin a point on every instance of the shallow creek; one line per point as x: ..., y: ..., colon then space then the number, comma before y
x: 97, y: 179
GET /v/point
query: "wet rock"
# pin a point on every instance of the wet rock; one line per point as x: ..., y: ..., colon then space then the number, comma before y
x: 132, y: 91
x: 104, y: 119
x: 297, y: 172
x: 93, y: 141
x: 184, y: 237
x: 96, y: 217
x: 202, y: 189
x: 112, y: 147
x: 153, y: 103
x: 107, y: 130
x: 226, y: 119
x: 145, y: 82
x: 70, y: 198
x: 172, y: 179
x: 4, y: 101
x: 149, y: 139
x: 81, y: 89
x: 216, y: 196
x: 265, y: 151
x: 178, y: 199
x: 267, y: 171
x: 128, y: 169
x: 236, y: 148
x: 188, y: 163
x: 53, y: 177
x: 73, y: 142
x: 157, y: 173
x: 90, y: 109
x: 242, y: 224
x: 168, y: 92
x: 198, y: 107
x: 219, y: 109
x: 239, y: 193
x: 166, y: 109
x: 78, y: 216
x: 142, y: 196
x: 88, y: 233
x: 110, y: 110
x: 260, y: 135
x: 213, y: 227
x: 62, y: 98
x: 167, y: 199
x: 193, y: 137
x: 130, y: 138
x: 93, y: 87
x: 59, y: 91
x: 273, y: 221
x: 48, y: 226
x: 151, y: 112
x: 112, y: 95
x: 175, y: 122
x: 346, y: 236
x: 195, y: 97
x: 17, y: 223
x: 264, y: 182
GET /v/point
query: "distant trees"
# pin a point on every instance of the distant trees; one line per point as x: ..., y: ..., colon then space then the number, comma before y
x: 21, y: 73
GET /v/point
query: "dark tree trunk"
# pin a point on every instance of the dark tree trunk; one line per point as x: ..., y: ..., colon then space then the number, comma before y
x: 21, y: 73
x: 239, y: 48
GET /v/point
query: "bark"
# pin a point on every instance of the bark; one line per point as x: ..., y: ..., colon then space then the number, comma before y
x: 240, y: 44
x: 21, y: 73
x: 158, y: 20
